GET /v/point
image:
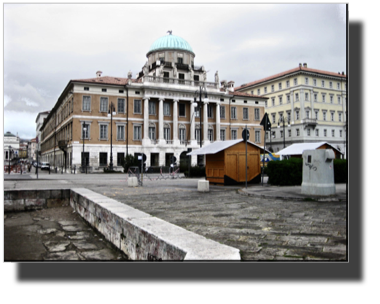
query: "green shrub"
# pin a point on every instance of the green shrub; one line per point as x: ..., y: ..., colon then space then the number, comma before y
x: 340, y: 171
x: 289, y: 172
x: 195, y: 171
x: 285, y: 172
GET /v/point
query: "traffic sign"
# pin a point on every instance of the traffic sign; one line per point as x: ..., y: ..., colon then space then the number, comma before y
x: 245, y: 134
x: 265, y: 122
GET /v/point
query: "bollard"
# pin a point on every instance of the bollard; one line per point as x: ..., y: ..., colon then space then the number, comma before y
x: 49, y: 169
x: 75, y: 166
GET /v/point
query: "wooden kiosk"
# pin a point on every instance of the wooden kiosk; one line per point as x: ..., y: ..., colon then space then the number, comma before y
x: 225, y: 162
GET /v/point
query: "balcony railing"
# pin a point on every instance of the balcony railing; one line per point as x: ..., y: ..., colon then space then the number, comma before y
x: 187, y: 82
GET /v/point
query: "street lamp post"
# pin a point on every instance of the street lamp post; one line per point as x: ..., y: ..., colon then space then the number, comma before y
x: 83, y: 157
x: 282, y: 121
x: 9, y: 158
x: 202, y: 90
x: 111, y: 112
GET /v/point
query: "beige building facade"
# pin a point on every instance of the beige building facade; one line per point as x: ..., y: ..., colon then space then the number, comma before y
x: 160, y: 113
x: 304, y: 105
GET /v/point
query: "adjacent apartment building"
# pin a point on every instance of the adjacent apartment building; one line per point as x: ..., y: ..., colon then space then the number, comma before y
x: 169, y: 108
x: 304, y: 105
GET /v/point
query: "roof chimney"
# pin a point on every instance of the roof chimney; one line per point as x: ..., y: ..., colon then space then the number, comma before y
x: 339, y: 73
x: 300, y: 65
x: 99, y: 73
x: 231, y: 86
x: 342, y: 73
x: 305, y: 65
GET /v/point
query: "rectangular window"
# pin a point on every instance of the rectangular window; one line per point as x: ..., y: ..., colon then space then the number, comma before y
x: 340, y: 116
x: 287, y: 84
x: 152, y: 133
x: 280, y: 100
x: 258, y: 91
x: 280, y: 86
x: 272, y: 87
x: 297, y: 115
x: 103, y: 159
x: 338, y: 85
x: 273, y: 102
x: 340, y: 133
x: 233, y: 134
x: 210, y: 135
x: 324, y: 132
x: 333, y: 133
x: 180, y: 60
x: 308, y: 131
x: 85, y: 129
x: 289, y: 133
x: 257, y: 114
x: 338, y: 99
x: 223, y: 112
x: 137, y: 107
x: 298, y: 132
x: 223, y: 135
x: 288, y: 114
x: 86, y: 88
x: 324, y: 116
x: 273, y: 118
x: 245, y: 113
x: 103, y: 104
x: 316, y: 132
x: 233, y: 112
x: 166, y: 75
x: 209, y: 111
x: 152, y: 108
x: 297, y: 97
x: 182, y: 135
x: 121, y: 105
x: 120, y: 132
x: 166, y: 109
x: 323, y: 98
x: 316, y: 115
x: 307, y: 96
x: 104, y: 90
x: 307, y: 114
x: 306, y: 80
x: 288, y: 99
x: 331, y: 85
x: 265, y: 90
x: 332, y: 116
x: 167, y: 133
x: 120, y: 158
x: 86, y: 106
x: 323, y: 83
x: 136, y: 132
x: 182, y: 110
x: 315, y: 97
x: 281, y: 134
x: 315, y: 82
x: 257, y: 136
x: 295, y: 81
x: 181, y: 78
x: 274, y: 134
x: 331, y: 98
x: 103, y: 132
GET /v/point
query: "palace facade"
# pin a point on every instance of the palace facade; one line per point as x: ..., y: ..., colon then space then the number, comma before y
x: 169, y: 108
x: 304, y: 105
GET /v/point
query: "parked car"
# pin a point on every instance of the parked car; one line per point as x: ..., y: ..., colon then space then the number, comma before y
x: 45, y: 166
x: 35, y: 164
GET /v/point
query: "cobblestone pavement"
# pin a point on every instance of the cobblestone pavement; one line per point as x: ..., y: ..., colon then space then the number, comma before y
x: 262, y: 228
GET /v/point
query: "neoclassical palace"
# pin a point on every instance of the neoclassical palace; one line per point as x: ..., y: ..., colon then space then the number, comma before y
x: 304, y: 105
x: 169, y: 108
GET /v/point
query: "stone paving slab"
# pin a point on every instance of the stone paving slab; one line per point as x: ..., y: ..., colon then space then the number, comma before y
x: 260, y: 225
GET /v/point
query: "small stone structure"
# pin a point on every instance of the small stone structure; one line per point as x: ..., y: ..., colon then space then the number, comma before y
x: 318, y: 172
x: 203, y: 186
x: 132, y: 181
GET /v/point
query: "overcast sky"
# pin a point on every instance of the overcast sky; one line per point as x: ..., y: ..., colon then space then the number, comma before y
x: 47, y: 45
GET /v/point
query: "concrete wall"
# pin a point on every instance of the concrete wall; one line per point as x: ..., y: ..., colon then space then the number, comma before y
x: 138, y: 234
x: 24, y: 200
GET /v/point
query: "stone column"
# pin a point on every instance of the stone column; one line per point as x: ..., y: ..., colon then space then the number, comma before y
x: 146, y: 140
x: 161, y: 122
x: 175, y: 122
x: 217, y: 121
x: 192, y: 124
x: 205, y: 124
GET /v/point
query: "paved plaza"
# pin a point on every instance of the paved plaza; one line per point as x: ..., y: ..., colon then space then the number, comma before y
x: 264, y: 222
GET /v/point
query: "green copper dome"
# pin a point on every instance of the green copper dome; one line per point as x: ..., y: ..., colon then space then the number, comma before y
x: 170, y: 42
